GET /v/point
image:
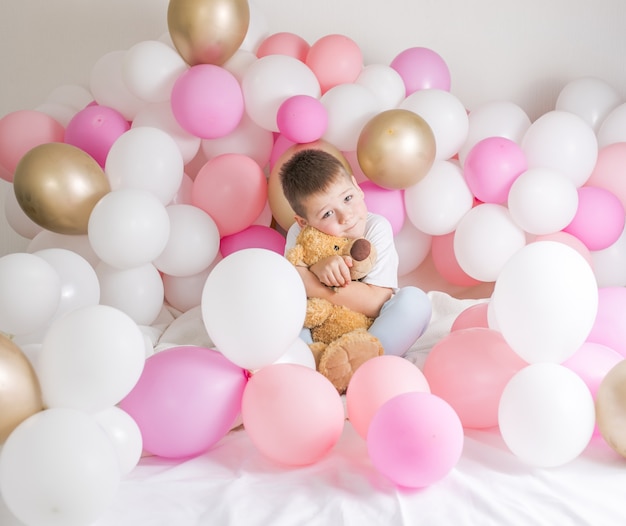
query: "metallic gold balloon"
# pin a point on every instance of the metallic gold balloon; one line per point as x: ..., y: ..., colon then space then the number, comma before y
x: 396, y: 148
x: 611, y: 408
x: 57, y: 185
x: 20, y: 394
x: 281, y: 209
x: 207, y: 31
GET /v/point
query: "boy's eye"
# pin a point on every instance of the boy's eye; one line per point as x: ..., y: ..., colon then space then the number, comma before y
x: 327, y: 214
x: 348, y: 198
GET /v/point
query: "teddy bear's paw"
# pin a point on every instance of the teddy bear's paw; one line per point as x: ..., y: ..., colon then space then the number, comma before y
x: 317, y: 349
x: 344, y: 356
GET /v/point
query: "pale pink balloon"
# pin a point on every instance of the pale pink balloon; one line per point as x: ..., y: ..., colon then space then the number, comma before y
x: 284, y: 43
x: 469, y: 369
x: 472, y: 317
x: 335, y: 59
x: 422, y: 68
x: 377, y: 381
x: 415, y: 439
x: 444, y: 259
x: 570, y: 241
x: 385, y: 202
x: 609, y: 327
x: 599, y: 220
x: 22, y: 130
x: 232, y: 189
x: 610, y: 170
x: 292, y: 414
x: 592, y: 362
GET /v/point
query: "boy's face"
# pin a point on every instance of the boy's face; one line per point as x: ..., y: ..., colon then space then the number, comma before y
x: 338, y: 211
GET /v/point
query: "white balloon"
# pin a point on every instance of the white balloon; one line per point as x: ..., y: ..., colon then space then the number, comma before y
x: 193, y: 243
x: 545, y: 301
x: 106, y: 83
x: 253, y: 306
x: 61, y: 113
x: 136, y: 291
x: 385, y: 82
x: 445, y: 114
x: 150, y: 69
x: 73, y: 96
x: 79, y: 282
x: 184, y: 293
x: 494, y: 119
x: 437, y: 202
x: 248, y: 138
x: 609, y: 264
x: 90, y: 359
x: 272, y: 79
x: 485, y: 239
x: 239, y: 63
x: 30, y: 293
x: 546, y: 415
x: 17, y: 218
x: 146, y: 158
x: 349, y: 108
x: 58, y: 468
x: 78, y: 243
x: 543, y: 201
x: 590, y: 98
x: 128, y: 228
x: 413, y: 246
x: 299, y: 353
x: 159, y: 115
x: 124, y: 434
x: 563, y: 142
x: 613, y: 127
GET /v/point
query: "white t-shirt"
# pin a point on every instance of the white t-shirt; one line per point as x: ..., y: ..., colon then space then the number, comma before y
x: 378, y: 231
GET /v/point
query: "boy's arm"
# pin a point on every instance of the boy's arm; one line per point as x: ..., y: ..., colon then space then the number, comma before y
x: 358, y: 296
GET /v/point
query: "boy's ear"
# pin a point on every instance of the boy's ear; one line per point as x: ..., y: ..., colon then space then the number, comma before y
x: 300, y: 220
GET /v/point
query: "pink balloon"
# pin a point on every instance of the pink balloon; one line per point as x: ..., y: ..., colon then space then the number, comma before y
x: 186, y: 400
x: 21, y: 131
x: 491, y: 167
x: 444, y: 259
x: 292, y: 413
x: 592, y: 362
x: 388, y: 203
x: 609, y: 328
x: 610, y: 170
x: 377, y: 381
x: 94, y: 129
x: 232, y: 189
x: 469, y: 369
x: 471, y: 317
x: 284, y: 43
x: 599, y: 220
x: 302, y: 119
x: 335, y: 59
x: 569, y: 240
x: 421, y: 68
x: 207, y: 101
x: 255, y: 236
x: 415, y: 439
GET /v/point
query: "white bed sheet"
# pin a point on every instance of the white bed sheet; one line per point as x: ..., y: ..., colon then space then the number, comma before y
x: 234, y: 484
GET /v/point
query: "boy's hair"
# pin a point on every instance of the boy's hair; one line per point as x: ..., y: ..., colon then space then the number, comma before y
x: 308, y: 172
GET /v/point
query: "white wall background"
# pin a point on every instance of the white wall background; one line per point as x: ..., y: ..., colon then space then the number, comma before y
x: 523, y: 51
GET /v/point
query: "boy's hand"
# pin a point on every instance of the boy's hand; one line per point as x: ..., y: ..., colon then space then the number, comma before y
x: 333, y: 271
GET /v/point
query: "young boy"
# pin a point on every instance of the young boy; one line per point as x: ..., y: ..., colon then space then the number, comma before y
x: 325, y: 196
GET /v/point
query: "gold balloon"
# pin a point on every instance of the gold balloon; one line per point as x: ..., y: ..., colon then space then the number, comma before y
x: 207, y: 31
x: 57, y: 185
x: 20, y: 394
x: 396, y: 148
x: 281, y: 209
x: 611, y: 408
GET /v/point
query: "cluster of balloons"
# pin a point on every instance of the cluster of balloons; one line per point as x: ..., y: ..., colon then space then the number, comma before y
x: 159, y: 184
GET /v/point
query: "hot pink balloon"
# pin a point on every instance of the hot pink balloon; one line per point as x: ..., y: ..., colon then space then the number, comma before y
x: 232, y: 189
x: 471, y: 317
x: 415, y: 439
x: 186, y: 400
x: 388, y: 203
x: 292, y: 413
x: 302, y: 119
x: 207, y: 101
x: 491, y: 167
x: 377, y: 381
x: 469, y: 369
x: 255, y: 236
x: 94, y: 129
x: 599, y: 220
x: 422, y: 68
x: 22, y: 130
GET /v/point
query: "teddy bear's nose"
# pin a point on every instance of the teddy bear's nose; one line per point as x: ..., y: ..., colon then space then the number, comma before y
x: 360, y: 250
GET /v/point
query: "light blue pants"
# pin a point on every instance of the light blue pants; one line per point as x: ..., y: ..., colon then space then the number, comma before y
x: 402, y: 320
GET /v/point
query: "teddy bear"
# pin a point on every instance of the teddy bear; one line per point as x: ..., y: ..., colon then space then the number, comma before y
x: 341, y: 342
